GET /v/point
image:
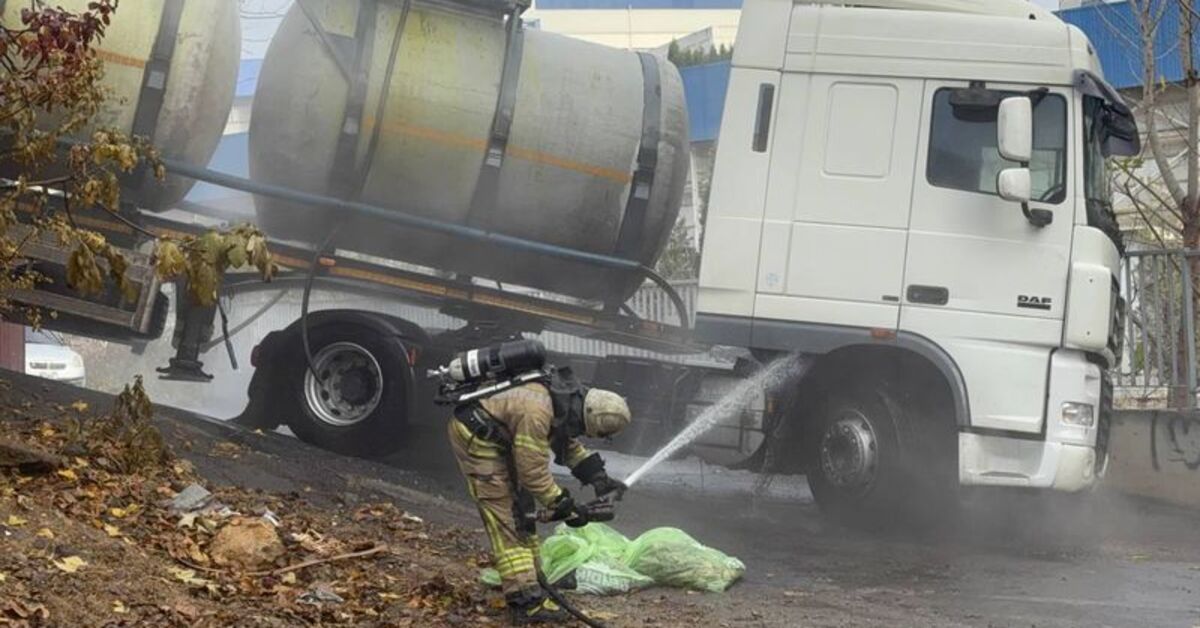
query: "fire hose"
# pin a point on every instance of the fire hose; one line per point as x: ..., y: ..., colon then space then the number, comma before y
x: 545, y: 516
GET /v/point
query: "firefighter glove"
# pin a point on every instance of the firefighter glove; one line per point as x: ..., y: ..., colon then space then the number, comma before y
x: 563, y: 508
x: 605, y: 485
x: 598, y: 511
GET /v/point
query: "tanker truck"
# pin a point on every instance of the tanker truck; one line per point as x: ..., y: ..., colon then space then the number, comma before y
x: 909, y: 195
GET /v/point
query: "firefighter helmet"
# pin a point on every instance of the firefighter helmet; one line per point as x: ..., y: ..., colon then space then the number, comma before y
x: 604, y: 413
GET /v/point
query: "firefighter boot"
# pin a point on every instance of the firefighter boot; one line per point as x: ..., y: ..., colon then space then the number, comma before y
x: 533, y: 607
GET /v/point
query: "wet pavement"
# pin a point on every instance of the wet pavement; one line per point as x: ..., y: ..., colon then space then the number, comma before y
x: 1010, y: 558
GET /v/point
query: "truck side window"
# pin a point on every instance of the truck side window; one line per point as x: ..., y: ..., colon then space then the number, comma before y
x: 963, y: 154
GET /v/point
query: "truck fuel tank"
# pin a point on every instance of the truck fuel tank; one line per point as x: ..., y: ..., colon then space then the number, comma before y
x: 396, y: 105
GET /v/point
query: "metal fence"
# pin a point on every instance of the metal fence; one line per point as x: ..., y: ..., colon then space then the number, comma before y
x: 1158, y: 362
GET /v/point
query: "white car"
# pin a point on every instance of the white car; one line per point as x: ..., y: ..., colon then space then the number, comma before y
x: 46, y: 356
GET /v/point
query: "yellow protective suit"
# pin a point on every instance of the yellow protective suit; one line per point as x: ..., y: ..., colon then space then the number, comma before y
x: 526, y: 413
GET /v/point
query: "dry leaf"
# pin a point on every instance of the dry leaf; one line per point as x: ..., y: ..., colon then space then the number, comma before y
x: 15, y: 521
x: 70, y: 564
x: 45, y: 533
x: 80, y: 406
x: 188, y: 520
x: 119, y: 607
x: 288, y: 578
x: 121, y: 513
x: 112, y: 530
x: 67, y: 474
x: 188, y: 577
x: 3, y: 576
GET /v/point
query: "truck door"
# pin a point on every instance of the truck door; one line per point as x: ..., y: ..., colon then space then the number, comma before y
x: 838, y: 200
x: 980, y: 279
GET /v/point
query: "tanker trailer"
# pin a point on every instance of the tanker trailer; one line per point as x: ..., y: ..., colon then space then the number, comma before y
x: 171, y: 68
x: 450, y: 112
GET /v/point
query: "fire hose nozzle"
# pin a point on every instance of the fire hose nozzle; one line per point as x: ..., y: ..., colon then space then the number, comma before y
x: 599, y: 510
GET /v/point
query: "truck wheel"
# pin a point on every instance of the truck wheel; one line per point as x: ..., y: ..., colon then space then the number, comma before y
x: 855, y: 462
x: 358, y: 403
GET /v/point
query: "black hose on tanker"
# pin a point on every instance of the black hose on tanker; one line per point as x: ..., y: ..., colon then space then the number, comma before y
x: 308, y: 284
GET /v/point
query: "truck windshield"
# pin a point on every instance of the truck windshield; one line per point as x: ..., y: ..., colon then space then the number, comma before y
x: 1097, y: 187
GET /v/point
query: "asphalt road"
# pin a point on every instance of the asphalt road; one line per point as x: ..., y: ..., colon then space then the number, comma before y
x: 1008, y: 559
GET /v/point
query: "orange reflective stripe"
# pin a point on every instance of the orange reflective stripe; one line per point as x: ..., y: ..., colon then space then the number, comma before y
x: 120, y: 59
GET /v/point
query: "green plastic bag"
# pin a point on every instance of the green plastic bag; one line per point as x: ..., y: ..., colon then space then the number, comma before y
x: 490, y: 577
x: 672, y: 558
x: 594, y: 552
x: 605, y: 562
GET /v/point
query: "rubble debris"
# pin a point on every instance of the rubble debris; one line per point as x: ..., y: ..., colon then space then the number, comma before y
x: 322, y: 593
x: 191, y: 499
x: 247, y: 543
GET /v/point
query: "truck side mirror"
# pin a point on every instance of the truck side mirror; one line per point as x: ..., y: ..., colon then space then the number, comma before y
x: 1014, y: 128
x: 1014, y: 139
x: 1015, y: 185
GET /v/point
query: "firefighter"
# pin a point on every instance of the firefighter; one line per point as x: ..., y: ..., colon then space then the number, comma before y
x: 504, y: 445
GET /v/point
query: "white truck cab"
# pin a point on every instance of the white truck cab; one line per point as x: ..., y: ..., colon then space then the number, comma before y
x: 913, y: 193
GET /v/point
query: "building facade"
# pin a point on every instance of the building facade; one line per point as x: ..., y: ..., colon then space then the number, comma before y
x: 638, y: 24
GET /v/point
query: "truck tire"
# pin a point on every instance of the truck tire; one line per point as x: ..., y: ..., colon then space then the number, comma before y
x: 856, y: 467
x: 358, y: 407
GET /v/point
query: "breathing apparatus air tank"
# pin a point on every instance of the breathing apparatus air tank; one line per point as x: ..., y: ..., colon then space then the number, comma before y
x: 450, y: 112
x: 502, y: 361
x: 171, y: 70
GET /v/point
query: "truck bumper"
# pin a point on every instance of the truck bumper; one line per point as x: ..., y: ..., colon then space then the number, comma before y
x: 1068, y: 455
x: 986, y: 460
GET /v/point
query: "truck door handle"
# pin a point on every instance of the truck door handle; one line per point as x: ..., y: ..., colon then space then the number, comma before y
x: 762, y: 124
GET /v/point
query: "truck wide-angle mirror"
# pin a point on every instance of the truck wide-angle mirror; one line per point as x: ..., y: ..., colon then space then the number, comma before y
x: 1014, y: 129
x: 1015, y: 184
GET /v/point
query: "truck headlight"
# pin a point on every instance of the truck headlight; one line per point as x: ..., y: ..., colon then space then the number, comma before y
x: 1079, y: 414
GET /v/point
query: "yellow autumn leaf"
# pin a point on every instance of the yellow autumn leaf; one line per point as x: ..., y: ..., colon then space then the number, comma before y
x: 288, y: 578
x: 188, y: 577
x: 112, y: 530
x: 121, y: 513
x: 3, y: 576
x: 45, y: 533
x: 70, y: 564
x: 80, y: 406
x: 67, y: 474
x: 47, y: 432
x: 14, y: 521
x: 119, y: 607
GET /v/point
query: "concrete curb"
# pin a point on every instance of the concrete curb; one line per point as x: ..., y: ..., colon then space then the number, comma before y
x: 1156, y: 454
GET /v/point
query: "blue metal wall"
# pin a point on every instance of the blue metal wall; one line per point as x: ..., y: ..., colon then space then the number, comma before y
x: 231, y: 157
x: 1113, y: 29
x: 705, y: 86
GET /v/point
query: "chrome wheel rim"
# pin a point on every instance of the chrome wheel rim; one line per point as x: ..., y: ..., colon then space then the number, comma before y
x: 850, y: 452
x: 350, y: 385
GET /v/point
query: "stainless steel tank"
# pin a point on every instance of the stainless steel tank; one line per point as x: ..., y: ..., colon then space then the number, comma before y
x: 421, y: 130
x: 202, y: 39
